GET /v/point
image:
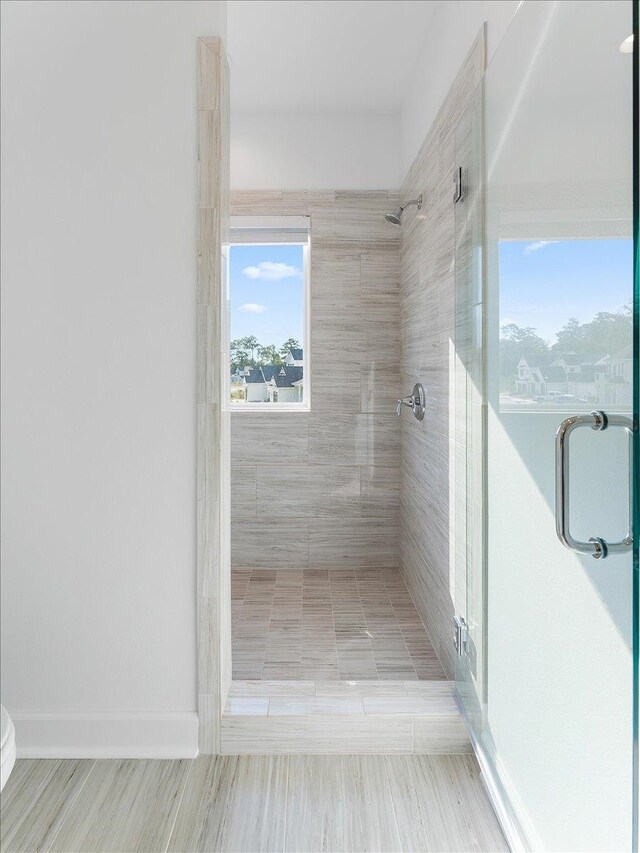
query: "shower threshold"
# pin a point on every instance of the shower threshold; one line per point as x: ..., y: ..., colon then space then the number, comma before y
x: 342, y: 717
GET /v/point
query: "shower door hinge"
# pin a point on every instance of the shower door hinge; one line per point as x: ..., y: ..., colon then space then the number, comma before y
x: 460, y: 635
x: 458, y: 185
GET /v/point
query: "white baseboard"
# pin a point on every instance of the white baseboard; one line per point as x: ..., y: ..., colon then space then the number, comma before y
x: 513, y: 831
x: 516, y: 824
x: 135, y: 735
x: 518, y: 830
x: 512, y: 817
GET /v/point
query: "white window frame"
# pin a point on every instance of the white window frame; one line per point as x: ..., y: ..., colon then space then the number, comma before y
x: 288, y: 230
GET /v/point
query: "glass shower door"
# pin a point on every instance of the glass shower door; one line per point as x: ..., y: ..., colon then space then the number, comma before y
x: 552, y: 709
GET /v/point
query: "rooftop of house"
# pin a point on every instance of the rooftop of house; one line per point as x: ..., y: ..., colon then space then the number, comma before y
x: 286, y: 376
x: 269, y: 370
x: 282, y: 375
x: 296, y: 353
x: 255, y: 376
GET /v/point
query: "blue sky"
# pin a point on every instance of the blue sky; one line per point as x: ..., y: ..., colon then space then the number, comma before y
x: 267, y: 292
x: 543, y: 284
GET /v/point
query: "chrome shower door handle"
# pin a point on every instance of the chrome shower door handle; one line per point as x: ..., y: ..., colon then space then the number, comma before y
x: 596, y: 546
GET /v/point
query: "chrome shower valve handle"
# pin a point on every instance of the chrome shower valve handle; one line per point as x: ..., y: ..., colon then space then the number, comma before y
x: 415, y: 401
x: 405, y: 401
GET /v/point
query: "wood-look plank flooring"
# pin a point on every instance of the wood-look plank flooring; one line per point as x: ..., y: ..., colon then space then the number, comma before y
x: 271, y: 803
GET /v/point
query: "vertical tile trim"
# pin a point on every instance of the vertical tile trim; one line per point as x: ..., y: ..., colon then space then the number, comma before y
x: 213, y: 499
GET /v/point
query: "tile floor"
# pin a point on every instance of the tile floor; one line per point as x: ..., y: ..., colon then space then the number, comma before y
x: 326, y: 625
x: 248, y: 803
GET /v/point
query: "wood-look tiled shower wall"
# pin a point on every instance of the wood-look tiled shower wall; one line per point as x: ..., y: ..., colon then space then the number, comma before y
x: 430, y: 487
x: 321, y: 489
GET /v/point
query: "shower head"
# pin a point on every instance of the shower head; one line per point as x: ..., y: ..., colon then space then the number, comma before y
x: 395, y: 218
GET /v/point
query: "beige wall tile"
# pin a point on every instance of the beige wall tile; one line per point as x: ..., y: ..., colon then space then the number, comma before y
x: 427, y: 299
x: 270, y: 544
x: 307, y: 491
x: 380, y: 492
x: 354, y: 349
x: 380, y: 271
x: 360, y: 439
x: 358, y: 542
x: 380, y: 386
x: 337, y: 392
x: 263, y: 437
x: 335, y: 279
x: 244, y: 491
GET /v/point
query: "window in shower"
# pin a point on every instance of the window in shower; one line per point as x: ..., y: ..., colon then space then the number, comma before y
x: 268, y: 293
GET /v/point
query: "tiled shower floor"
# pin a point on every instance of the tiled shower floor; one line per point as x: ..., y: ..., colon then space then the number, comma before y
x: 316, y: 624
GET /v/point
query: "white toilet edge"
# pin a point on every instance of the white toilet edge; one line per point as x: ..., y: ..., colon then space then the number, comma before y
x: 8, y: 760
x: 8, y: 748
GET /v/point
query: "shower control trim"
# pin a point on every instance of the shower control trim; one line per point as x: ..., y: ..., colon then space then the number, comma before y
x: 415, y: 401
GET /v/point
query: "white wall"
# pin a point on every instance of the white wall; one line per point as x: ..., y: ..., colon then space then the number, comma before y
x: 98, y: 356
x: 314, y: 151
x: 452, y: 30
x: 366, y: 150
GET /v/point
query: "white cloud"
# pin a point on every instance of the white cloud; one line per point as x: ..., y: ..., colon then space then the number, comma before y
x: 253, y: 308
x: 270, y: 271
x: 540, y: 244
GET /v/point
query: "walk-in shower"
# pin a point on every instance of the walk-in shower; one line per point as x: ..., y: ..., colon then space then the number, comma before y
x: 316, y: 585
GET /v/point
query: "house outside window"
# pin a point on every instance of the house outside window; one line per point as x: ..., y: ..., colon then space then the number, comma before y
x: 267, y: 331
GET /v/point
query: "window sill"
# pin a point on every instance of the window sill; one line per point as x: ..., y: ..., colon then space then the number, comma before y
x: 268, y: 407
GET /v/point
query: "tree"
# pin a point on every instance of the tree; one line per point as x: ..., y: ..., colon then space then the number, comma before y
x: 268, y: 355
x: 291, y: 343
x: 249, y: 352
x: 251, y: 344
x: 240, y: 357
x: 605, y: 334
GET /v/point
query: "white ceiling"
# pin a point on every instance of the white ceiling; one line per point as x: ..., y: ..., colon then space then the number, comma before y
x: 324, y: 55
